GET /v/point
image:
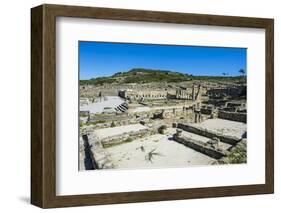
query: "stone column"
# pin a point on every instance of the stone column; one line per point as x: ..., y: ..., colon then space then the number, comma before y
x: 198, y: 94
x: 179, y: 133
x: 89, y: 116
x: 193, y: 94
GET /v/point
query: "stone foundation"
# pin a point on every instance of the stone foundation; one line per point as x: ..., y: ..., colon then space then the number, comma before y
x: 127, y: 137
x: 208, y: 134
x: 202, y: 147
x: 233, y: 116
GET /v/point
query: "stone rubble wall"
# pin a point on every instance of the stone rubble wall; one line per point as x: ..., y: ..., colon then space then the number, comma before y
x: 208, y: 134
x: 233, y: 116
x: 116, y: 123
x: 201, y: 147
x: 234, y: 92
x: 100, y: 156
x: 89, y: 160
x: 206, y: 111
x: 132, y: 135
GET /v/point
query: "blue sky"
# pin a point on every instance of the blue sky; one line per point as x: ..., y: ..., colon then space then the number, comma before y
x: 99, y: 59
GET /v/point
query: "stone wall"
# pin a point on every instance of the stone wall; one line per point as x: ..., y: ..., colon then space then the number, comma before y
x: 189, y: 94
x: 105, y: 120
x: 143, y: 94
x: 206, y: 111
x: 208, y: 133
x: 201, y: 147
x: 233, y: 116
x: 233, y: 92
x: 171, y: 112
x: 114, y: 123
x: 127, y: 137
x: 162, y: 93
x: 102, y: 159
x: 89, y: 160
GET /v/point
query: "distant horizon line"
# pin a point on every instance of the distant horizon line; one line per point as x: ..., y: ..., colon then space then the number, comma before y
x: 224, y: 76
x: 162, y: 70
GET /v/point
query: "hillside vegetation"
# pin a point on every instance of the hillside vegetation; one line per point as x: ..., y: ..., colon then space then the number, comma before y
x: 140, y: 75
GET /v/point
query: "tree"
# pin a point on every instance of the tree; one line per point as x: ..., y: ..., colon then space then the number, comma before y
x: 242, y: 72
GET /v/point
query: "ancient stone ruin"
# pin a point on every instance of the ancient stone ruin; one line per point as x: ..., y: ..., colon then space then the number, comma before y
x: 144, y: 124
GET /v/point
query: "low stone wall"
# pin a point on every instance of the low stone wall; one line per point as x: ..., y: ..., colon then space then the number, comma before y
x: 127, y: 137
x: 208, y: 134
x: 233, y: 116
x: 229, y: 91
x: 105, y: 121
x: 206, y: 111
x: 89, y: 160
x: 202, y: 147
x: 115, y: 123
x: 100, y: 158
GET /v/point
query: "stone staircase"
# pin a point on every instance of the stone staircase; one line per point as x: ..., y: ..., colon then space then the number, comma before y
x: 122, y: 107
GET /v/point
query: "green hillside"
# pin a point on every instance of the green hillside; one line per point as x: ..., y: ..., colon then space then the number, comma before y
x: 140, y: 75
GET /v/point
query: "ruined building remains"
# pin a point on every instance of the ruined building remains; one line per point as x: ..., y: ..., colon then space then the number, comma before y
x: 222, y: 92
x: 185, y: 94
x: 181, y: 93
x: 143, y: 94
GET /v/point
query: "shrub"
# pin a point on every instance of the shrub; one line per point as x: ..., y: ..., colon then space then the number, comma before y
x: 113, y: 124
x: 238, y: 155
x: 129, y: 140
x: 162, y: 128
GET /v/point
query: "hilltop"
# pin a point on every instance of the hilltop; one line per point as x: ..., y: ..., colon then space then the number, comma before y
x: 141, y: 75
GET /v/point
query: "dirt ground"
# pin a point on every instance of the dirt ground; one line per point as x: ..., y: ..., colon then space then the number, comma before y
x: 155, y: 151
